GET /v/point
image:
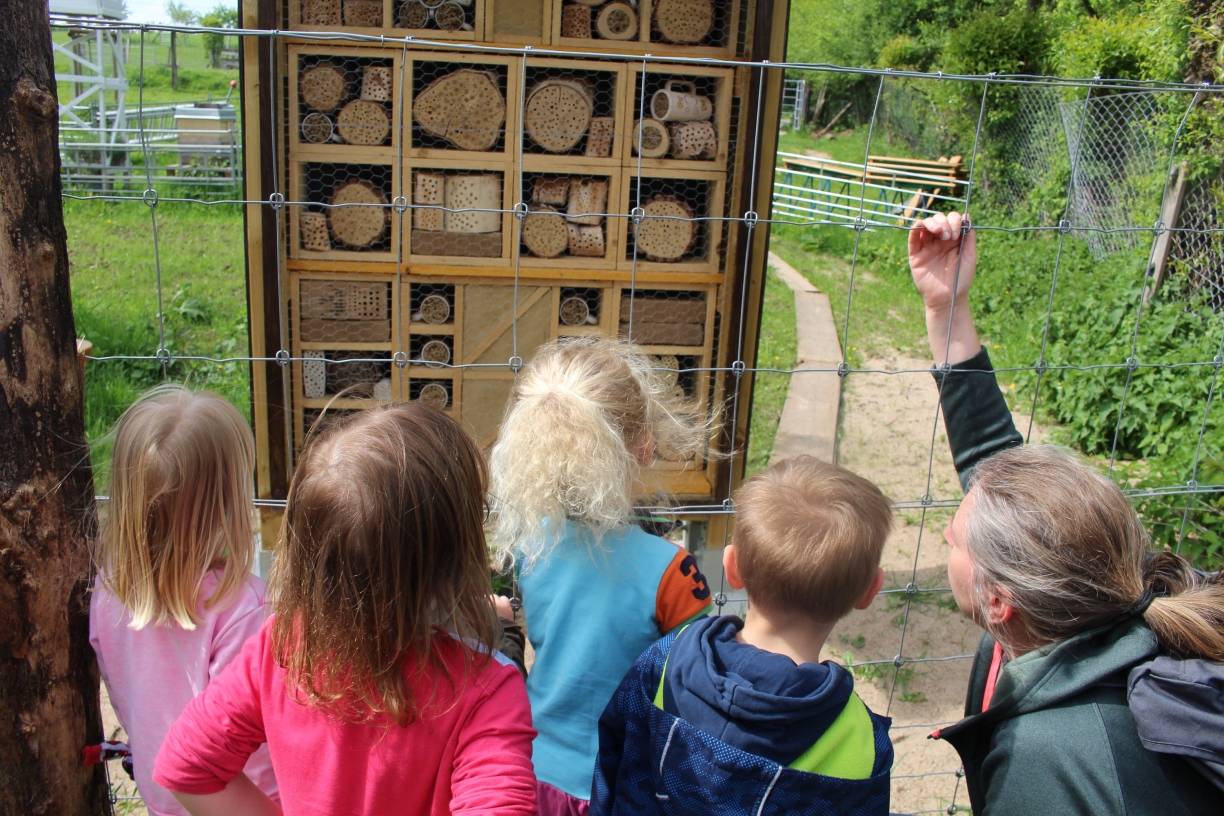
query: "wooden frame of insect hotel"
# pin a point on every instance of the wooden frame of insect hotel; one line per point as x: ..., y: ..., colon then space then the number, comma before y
x: 441, y: 208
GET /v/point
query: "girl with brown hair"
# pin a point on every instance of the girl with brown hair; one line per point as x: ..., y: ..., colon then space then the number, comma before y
x: 1048, y: 556
x: 375, y: 684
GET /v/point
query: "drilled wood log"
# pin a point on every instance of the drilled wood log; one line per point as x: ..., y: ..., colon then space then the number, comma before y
x: 313, y: 228
x: 323, y: 87
x: 668, y: 235
x: 586, y: 241
x: 464, y: 107
x: 684, y: 21
x: 544, y: 233
x: 376, y: 83
x: 576, y: 22
x: 363, y: 13
x: 558, y: 113
x: 358, y: 226
x: 362, y: 122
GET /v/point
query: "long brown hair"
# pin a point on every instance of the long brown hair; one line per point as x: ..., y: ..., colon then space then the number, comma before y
x: 1063, y: 543
x: 181, y: 494
x: 382, y: 546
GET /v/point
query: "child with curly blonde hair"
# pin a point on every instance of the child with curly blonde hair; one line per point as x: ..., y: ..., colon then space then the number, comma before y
x: 175, y: 598
x: 586, y: 415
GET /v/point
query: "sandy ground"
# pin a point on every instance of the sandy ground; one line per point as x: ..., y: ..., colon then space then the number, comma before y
x: 887, y: 422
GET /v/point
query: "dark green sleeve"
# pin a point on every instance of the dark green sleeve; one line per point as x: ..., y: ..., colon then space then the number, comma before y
x: 976, y: 416
x: 510, y: 642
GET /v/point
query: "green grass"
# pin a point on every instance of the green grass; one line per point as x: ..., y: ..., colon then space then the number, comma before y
x: 114, y: 293
x: 776, y: 349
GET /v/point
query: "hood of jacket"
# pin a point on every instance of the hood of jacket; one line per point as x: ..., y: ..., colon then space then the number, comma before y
x: 1178, y: 706
x: 760, y: 702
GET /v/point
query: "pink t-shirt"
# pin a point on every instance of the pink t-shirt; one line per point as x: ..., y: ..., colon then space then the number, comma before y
x: 469, y: 753
x: 152, y: 673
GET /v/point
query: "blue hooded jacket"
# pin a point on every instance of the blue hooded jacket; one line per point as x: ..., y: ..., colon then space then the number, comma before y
x: 748, y: 721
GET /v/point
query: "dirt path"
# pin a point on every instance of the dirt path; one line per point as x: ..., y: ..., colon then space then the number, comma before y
x: 886, y: 435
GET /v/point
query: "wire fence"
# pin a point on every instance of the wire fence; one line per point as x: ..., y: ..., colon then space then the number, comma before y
x: 917, y: 631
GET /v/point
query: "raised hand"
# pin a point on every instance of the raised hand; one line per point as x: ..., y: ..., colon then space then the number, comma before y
x: 943, y: 259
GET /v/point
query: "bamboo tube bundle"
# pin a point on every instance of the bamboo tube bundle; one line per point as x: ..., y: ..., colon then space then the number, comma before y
x: 412, y: 14
x: 317, y: 128
x: 376, y: 83
x: 450, y: 17
x: 588, y: 198
x: 363, y: 13
x: 668, y: 232
x: 321, y: 12
x: 323, y: 87
x: 479, y: 192
x: 434, y: 395
x: 599, y: 137
x: 358, y: 226
x: 693, y: 140
x: 434, y: 309
x: 435, y: 352
x: 574, y: 311
x: 544, y: 233
x: 576, y: 22
x: 558, y: 113
x: 313, y: 229
x: 362, y: 122
x: 586, y: 241
x: 651, y: 139
x: 551, y: 190
x: 464, y: 107
x: 429, y: 189
x: 617, y: 21
x: 687, y: 22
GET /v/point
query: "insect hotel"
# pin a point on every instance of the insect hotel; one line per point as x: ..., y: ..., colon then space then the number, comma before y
x: 443, y: 205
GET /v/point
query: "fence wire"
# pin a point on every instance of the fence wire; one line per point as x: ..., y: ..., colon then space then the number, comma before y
x: 1118, y: 135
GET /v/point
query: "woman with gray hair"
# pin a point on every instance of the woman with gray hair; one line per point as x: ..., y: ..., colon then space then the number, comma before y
x: 1048, y: 556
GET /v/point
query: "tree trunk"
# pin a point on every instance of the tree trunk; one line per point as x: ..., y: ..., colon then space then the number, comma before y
x: 48, y: 679
x: 173, y: 62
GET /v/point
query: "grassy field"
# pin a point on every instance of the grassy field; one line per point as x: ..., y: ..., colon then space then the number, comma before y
x: 115, y: 302
x: 776, y: 350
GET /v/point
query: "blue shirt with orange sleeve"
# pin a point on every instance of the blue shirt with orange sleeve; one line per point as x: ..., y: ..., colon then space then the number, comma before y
x: 592, y: 609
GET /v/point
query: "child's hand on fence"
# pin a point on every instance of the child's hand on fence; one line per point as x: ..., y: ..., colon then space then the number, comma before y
x: 941, y: 261
x: 943, y: 258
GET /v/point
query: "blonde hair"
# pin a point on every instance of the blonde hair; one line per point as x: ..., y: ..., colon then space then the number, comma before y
x: 180, y: 504
x: 808, y: 537
x: 568, y: 448
x: 1065, y: 546
x: 382, y: 545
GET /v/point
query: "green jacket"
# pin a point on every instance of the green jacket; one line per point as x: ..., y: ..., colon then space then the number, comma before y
x: 1059, y: 738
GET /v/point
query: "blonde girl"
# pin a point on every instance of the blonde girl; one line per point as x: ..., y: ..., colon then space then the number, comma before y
x: 585, y: 417
x: 175, y: 598
x: 374, y: 684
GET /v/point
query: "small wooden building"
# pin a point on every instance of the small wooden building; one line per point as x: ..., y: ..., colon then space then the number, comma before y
x: 448, y: 207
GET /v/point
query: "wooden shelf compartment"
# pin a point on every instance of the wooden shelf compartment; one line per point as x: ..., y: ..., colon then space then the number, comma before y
x: 471, y: 133
x: 363, y: 230
x: 344, y: 101
x: 454, y: 218
x: 571, y: 207
x: 675, y: 97
x: 604, y: 29
x: 573, y: 110
x: 699, y: 193
x: 462, y: 20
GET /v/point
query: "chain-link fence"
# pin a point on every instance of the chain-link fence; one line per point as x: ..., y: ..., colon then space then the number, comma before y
x: 665, y: 225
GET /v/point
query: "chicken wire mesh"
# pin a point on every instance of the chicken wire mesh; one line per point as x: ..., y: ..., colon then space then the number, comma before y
x: 912, y: 644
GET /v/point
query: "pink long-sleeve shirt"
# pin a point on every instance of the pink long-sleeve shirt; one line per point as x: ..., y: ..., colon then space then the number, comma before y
x: 154, y: 672
x: 468, y: 753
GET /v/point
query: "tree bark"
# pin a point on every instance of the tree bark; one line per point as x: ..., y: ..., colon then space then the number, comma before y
x: 49, y: 706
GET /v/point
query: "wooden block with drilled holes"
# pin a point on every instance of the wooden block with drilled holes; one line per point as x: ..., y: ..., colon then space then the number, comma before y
x: 588, y: 199
x: 362, y: 122
x: 599, y: 137
x: 376, y: 83
x: 430, y: 189
x: 664, y: 309
x: 363, y: 13
x: 343, y: 300
x: 576, y: 22
x: 480, y: 195
x: 550, y: 190
x: 585, y: 241
x: 321, y: 12
x: 687, y: 22
x: 313, y: 228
